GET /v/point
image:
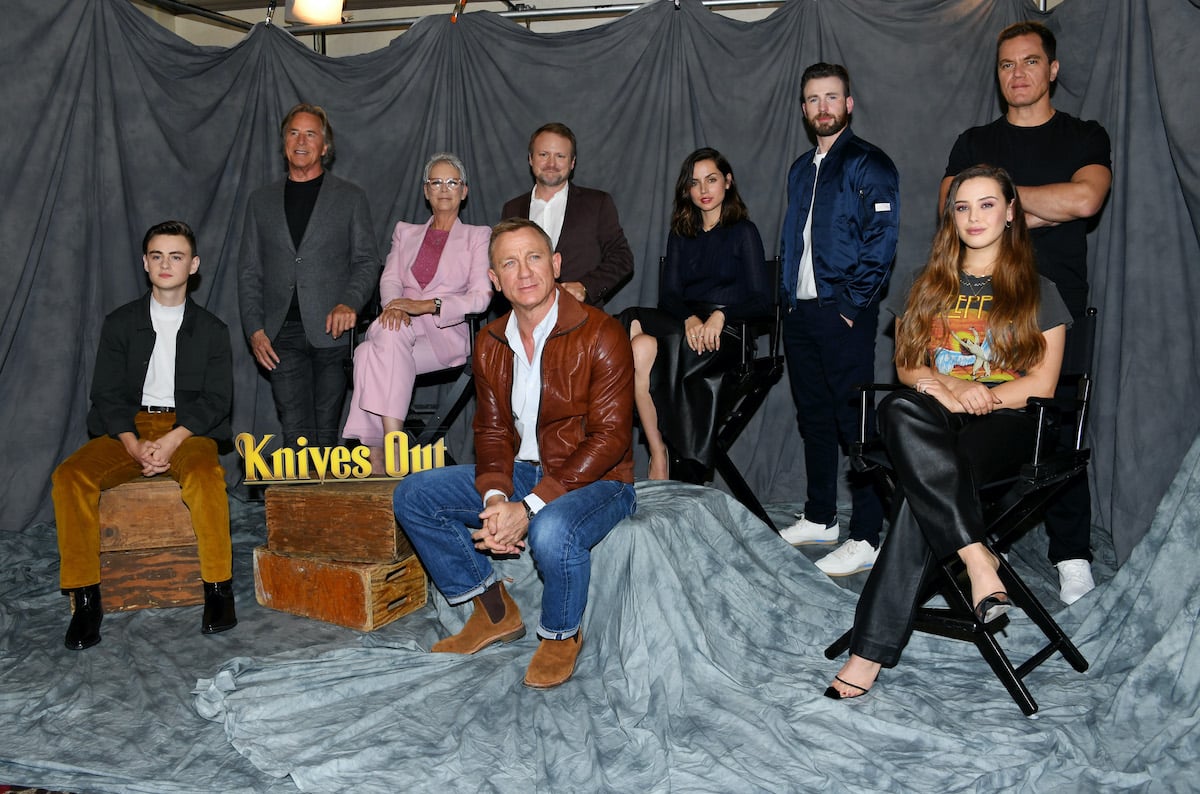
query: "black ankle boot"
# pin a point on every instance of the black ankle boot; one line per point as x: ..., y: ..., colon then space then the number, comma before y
x: 219, y: 614
x: 84, y: 631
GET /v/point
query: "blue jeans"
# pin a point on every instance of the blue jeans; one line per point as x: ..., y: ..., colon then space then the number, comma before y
x: 439, y: 509
x: 309, y: 386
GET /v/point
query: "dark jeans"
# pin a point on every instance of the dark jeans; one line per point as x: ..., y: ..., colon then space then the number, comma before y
x: 309, y: 385
x: 826, y: 359
x: 940, y: 459
x: 1069, y: 515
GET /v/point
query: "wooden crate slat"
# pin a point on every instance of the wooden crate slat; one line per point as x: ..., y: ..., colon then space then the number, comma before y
x: 362, y: 596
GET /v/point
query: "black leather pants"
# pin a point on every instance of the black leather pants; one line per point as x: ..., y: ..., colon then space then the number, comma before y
x: 940, y: 459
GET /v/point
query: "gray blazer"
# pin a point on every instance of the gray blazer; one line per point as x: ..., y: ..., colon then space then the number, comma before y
x: 337, y: 262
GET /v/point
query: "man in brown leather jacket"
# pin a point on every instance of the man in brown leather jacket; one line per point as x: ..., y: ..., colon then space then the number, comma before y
x: 554, y: 471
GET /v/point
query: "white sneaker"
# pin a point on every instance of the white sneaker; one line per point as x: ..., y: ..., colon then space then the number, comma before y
x: 851, y: 557
x: 1074, y: 580
x: 810, y: 533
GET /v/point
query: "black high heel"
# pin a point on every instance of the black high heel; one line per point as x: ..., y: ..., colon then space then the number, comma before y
x: 833, y: 694
x: 992, y: 607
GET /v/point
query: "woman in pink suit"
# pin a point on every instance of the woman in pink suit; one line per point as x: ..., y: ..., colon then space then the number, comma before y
x: 436, y: 274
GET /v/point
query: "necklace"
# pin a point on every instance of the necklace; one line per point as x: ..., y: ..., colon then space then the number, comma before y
x: 974, y: 284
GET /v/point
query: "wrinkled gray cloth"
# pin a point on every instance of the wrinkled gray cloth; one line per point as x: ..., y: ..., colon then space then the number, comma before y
x: 702, y: 670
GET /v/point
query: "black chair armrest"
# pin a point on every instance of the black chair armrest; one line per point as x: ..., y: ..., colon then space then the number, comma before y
x: 866, y: 396
x: 1055, y: 403
x: 867, y: 454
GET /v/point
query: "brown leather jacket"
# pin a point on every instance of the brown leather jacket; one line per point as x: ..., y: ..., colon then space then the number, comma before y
x: 585, y: 422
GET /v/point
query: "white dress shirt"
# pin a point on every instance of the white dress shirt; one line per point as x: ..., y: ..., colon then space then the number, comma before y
x: 527, y: 391
x: 549, y: 214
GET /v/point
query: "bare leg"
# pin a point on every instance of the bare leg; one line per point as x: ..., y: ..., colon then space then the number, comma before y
x: 645, y: 350
x: 856, y: 676
x: 981, y: 570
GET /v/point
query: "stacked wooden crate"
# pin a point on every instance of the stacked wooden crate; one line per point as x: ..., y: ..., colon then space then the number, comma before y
x: 335, y: 553
x: 148, y: 555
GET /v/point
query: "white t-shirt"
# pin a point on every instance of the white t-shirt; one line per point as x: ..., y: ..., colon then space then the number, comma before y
x: 159, y: 388
x: 806, y: 283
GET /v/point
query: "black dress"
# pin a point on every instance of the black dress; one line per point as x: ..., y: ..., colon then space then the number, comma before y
x: 723, y: 268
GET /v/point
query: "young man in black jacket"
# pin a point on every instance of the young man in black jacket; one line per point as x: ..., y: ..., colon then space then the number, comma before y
x: 161, y: 397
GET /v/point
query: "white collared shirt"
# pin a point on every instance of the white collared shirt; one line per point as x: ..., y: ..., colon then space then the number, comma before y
x: 527, y: 390
x: 549, y: 214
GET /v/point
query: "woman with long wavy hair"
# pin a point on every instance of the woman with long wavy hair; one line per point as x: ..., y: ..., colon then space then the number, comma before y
x: 980, y: 334
x: 714, y: 275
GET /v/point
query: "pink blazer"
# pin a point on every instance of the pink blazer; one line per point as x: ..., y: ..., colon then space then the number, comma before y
x: 461, y: 282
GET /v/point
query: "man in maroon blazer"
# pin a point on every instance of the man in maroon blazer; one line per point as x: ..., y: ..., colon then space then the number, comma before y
x: 582, y: 223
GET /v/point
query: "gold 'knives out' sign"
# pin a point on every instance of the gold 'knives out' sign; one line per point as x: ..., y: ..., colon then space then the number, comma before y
x: 305, y: 464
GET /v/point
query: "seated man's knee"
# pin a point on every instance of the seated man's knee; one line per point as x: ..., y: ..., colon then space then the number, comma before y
x: 65, y: 476
x: 414, y: 492
x: 405, y: 492
x: 548, y: 534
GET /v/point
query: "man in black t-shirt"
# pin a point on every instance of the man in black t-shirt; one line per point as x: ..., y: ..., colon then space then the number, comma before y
x: 1062, y: 168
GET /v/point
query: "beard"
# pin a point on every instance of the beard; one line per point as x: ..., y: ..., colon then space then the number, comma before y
x: 552, y: 179
x: 830, y: 126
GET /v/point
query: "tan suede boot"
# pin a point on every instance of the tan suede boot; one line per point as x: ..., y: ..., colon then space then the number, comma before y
x: 480, y: 631
x: 553, y: 662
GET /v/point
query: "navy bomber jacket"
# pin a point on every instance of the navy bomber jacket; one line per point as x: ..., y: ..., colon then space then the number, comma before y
x: 855, y: 225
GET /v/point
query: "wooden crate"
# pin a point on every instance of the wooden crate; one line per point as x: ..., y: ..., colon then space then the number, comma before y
x: 144, y: 514
x: 142, y: 578
x: 148, y: 555
x: 362, y: 596
x: 348, y: 521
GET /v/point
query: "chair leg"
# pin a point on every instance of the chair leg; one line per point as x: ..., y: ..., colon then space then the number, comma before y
x: 448, y: 409
x: 740, y: 489
x: 985, y: 641
x: 1058, y: 640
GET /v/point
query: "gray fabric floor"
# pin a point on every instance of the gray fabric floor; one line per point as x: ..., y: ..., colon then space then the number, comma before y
x: 702, y: 671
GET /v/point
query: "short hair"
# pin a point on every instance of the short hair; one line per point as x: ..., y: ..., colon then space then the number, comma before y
x: 558, y: 128
x: 173, y: 229
x: 685, y: 218
x: 445, y: 157
x: 822, y: 69
x: 514, y: 225
x: 326, y: 128
x: 1049, y: 44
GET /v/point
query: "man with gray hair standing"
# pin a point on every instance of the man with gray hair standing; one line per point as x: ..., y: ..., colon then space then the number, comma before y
x: 302, y: 282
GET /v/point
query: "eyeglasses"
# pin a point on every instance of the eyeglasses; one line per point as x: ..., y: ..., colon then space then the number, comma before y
x: 444, y: 184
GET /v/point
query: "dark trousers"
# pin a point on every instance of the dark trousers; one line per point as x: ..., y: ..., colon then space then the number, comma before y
x: 826, y: 359
x: 309, y: 386
x: 1069, y: 515
x: 940, y: 459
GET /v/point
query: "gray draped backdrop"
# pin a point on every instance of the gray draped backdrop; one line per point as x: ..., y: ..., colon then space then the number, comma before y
x: 112, y: 123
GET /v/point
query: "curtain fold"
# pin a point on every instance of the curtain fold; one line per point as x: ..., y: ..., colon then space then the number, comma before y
x: 113, y: 123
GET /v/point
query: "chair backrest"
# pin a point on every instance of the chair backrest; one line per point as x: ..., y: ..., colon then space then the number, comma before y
x: 1072, y: 396
x: 772, y: 324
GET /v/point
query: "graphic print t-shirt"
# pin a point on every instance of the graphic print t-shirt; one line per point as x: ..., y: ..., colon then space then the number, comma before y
x: 961, y: 342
